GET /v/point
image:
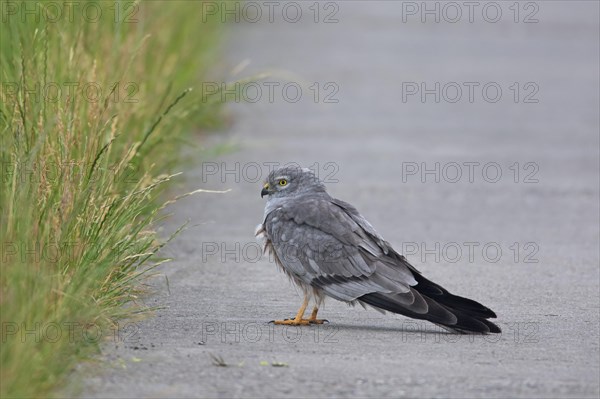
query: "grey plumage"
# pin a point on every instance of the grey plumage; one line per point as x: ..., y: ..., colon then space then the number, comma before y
x: 329, y: 249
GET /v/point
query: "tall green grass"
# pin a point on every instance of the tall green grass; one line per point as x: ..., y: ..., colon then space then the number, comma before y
x: 93, y: 109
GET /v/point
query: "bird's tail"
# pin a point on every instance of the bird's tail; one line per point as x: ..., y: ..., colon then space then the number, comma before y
x: 437, y: 305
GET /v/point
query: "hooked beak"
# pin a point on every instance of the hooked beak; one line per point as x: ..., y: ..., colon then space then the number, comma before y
x: 265, y: 190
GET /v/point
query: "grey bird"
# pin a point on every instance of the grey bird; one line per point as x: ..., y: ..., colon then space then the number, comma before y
x: 329, y: 249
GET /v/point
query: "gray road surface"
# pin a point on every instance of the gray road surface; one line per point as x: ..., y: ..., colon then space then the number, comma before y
x: 525, y: 244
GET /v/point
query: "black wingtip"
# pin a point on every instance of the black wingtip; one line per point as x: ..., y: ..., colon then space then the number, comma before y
x: 466, y: 320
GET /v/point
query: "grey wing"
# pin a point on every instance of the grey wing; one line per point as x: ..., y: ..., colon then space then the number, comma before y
x: 322, y: 245
x: 431, y: 301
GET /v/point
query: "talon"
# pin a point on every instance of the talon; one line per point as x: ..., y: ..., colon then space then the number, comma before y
x: 299, y: 319
x: 292, y: 322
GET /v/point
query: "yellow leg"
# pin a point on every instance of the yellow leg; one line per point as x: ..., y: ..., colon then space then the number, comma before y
x: 313, y: 317
x: 298, y: 320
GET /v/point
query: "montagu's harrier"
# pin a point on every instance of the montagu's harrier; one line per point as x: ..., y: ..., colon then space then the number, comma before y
x: 329, y: 249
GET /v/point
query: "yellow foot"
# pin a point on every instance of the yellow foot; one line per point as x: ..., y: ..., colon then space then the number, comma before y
x: 300, y: 322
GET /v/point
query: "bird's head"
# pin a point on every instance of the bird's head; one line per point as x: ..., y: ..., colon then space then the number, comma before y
x: 291, y: 181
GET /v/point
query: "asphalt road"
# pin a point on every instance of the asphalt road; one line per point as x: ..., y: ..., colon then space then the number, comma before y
x: 494, y: 197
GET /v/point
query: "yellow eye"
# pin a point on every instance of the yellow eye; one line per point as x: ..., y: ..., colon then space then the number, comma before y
x: 282, y: 182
